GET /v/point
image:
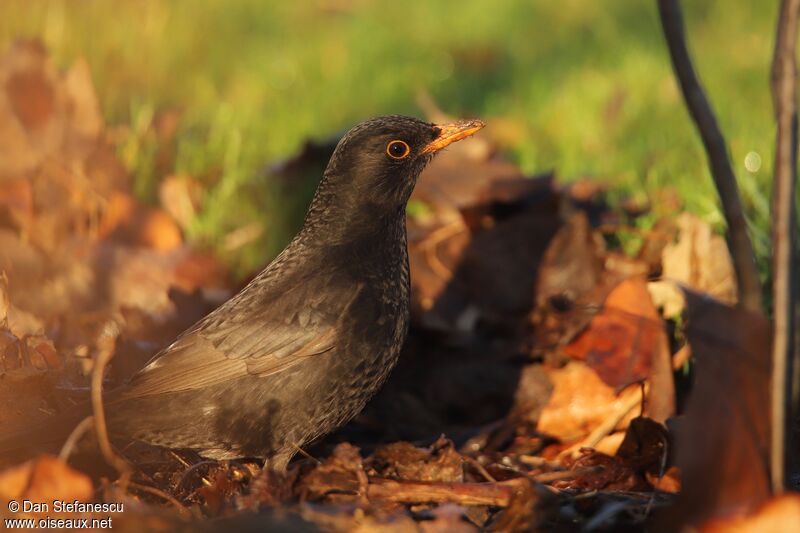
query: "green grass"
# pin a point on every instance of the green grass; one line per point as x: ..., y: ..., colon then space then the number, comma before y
x: 586, y: 85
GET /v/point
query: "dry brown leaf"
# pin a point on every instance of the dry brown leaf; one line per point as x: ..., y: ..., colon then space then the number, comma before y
x: 570, y: 284
x: 668, y: 297
x: 22, y: 342
x: 403, y: 460
x: 18, y: 322
x: 646, y: 446
x: 5, y: 302
x: 626, y: 343
x: 85, y: 118
x: 119, y: 211
x: 32, y: 105
x: 610, y: 473
x: 722, y: 440
x: 42, y: 480
x: 573, y: 264
x: 580, y: 402
x: 533, y: 393
x: 198, y: 270
x: 181, y: 196
x: 341, y: 476
x: 610, y: 444
x: 700, y: 260
x: 622, y: 338
x: 157, y: 230
x: 130, y: 222
x: 42, y: 353
x: 16, y: 199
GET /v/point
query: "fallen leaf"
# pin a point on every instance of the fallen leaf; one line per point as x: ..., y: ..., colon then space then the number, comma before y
x: 16, y: 199
x: 181, y: 196
x: 130, y: 222
x: 403, y: 460
x: 42, y: 353
x: 534, y: 391
x: 340, y: 476
x: 32, y: 105
x: 85, y: 117
x: 609, y: 473
x: 157, y: 230
x: 668, y: 297
x: 646, y: 446
x: 580, y: 402
x: 42, y: 480
x: 610, y: 444
x: 626, y: 343
x: 569, y: 285
x: 573, y: 264
x: 700, y: 260
x: 722, y: 439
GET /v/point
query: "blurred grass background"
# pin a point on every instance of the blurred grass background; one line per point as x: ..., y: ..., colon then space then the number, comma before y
x: 582, y: 87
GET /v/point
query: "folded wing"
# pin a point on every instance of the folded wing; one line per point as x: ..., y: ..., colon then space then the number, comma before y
x: 258, y: 332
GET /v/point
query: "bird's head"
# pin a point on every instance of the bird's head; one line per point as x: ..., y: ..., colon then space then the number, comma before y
x: 378, y: 161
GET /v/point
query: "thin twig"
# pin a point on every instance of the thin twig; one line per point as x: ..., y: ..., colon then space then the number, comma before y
x: 480, y: 468
x: 102, y: 358
x: 625, y: 406
x: 549, y: 477
x: 494, y: 494
x: 536, y: 461
x: 194, y: 468
x: 784, y: 73
x: 74, y: 437
x: 681, y: 357
x: 700, y: 109
x: 180, y: 459
x: 305, y: 454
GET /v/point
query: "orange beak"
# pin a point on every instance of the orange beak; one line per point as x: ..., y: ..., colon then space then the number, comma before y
x: 450, y: 133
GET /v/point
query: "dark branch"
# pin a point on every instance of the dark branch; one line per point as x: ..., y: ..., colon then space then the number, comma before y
x: 717, y: 152
x: 784, y: 96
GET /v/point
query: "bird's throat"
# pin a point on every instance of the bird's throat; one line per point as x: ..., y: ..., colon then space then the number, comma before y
x: 340, y: 218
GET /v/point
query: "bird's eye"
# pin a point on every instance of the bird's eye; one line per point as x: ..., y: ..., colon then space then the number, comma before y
x: 397, y: 150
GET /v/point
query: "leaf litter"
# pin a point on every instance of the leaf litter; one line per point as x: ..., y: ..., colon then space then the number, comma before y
x: 543, y: 386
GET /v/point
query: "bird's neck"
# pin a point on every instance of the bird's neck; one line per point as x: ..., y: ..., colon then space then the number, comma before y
x: 337, y: 217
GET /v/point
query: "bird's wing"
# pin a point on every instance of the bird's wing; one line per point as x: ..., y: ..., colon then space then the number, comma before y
x: 252, y: 334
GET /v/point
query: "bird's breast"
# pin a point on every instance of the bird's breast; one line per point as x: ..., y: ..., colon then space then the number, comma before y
x: 379, y: 317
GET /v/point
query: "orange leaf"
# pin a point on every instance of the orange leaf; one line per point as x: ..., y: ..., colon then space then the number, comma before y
x: 42, y: 480
x: 623, y: 338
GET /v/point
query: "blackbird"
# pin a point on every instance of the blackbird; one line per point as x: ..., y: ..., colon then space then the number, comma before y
x: 300, y: 350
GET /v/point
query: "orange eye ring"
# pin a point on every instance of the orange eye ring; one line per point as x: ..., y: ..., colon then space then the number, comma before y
x: 398, y: 149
